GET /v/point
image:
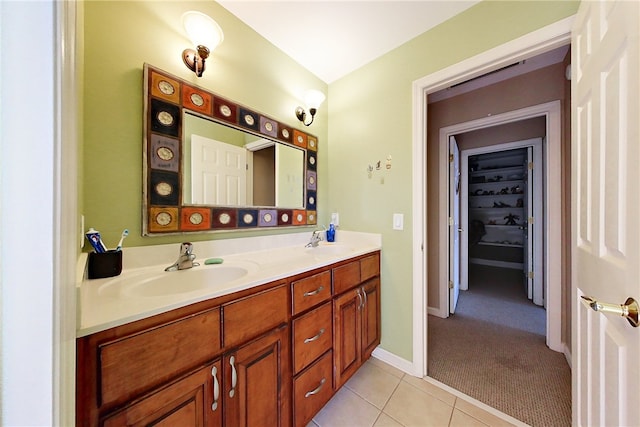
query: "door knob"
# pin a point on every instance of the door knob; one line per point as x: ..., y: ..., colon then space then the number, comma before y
x: 628, y: 310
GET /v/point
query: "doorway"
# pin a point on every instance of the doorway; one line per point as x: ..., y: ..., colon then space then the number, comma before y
x: 502, y: 206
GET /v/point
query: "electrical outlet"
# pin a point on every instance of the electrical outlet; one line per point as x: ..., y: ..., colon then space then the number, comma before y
x: 335, y: 218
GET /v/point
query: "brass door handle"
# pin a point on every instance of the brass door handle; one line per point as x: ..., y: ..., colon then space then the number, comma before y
x: 628, y: 310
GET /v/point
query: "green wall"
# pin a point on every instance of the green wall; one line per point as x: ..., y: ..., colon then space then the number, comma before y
x: 119, y: 37
x: 369, y: 112
x: 370, y: 116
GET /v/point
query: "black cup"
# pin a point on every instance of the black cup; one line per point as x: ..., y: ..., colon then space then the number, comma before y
x: 107, y: 264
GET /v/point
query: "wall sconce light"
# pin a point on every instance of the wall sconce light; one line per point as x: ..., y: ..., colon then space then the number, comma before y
x: 205, y: 34
x: 312, y: 99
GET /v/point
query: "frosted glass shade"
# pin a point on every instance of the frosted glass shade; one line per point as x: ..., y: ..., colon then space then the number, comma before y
x: 313, y: 98
x: 202, y: 30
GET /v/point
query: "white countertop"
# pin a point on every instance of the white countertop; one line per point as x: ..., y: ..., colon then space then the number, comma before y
x: 105, y: 303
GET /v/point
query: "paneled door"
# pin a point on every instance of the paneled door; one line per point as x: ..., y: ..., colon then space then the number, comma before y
x: 605, y: 208
x: 454, y: 224
x: 218, y: 173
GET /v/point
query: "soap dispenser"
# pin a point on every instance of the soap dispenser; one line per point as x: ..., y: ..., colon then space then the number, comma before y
x: 331, y: 233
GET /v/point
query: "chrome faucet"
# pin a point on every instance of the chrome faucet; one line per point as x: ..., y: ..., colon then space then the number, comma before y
x: 185, y: 260
x: 316, y: 237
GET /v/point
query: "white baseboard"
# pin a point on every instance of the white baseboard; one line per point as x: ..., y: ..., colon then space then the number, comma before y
x: 395, y: 361
x: 438, y: 312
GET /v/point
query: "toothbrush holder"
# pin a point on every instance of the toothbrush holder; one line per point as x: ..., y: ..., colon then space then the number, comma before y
x: 107, y: 264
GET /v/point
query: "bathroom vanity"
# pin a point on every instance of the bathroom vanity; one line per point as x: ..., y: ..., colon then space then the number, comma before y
x: 270, y: 347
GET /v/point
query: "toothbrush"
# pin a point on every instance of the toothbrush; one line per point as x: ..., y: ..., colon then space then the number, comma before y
x: 125, y: 233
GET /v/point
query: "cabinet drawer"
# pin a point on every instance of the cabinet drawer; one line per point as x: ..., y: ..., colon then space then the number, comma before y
x: 137, y: 363
x: 251, y: 316
x: 185, y: 402
x: 369, y: 267
x: 310, y: 291
x: 312, y: 390
x: 346, y: 277
x: 312, y: 336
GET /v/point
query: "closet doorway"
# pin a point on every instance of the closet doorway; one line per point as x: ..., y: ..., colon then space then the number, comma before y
x: 501, y: 207
x: 489, y: 135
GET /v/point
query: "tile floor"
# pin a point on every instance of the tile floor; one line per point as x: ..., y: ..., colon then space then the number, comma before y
x: 380, y: 395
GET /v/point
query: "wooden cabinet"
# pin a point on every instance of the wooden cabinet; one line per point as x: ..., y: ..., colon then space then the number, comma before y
x: 370, y: 322
x: 312, y: 340
x: 312, y: 336
x: 310, y: 291
x: 137, y: 362
x: 189, y: 401
x: 357, y: 322
x: 256, y: 391
x: 272, y: 355
x: 312, y: 389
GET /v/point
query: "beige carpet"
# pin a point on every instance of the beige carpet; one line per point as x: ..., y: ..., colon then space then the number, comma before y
x: 493, y: 349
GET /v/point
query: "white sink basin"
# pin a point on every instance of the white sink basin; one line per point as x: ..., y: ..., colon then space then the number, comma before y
x: 163, y: 283
x: 329, y: 249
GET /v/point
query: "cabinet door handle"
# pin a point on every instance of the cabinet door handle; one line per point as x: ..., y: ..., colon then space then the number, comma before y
x: 216, y: 388
x: 318, y: 335
x: 361, y: 300
x: 364, y: 294
x: 234, y: 376
x: 317, y: 389
x: 312, y: 293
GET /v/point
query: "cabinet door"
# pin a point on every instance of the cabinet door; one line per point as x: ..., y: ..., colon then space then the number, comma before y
x: 347, y: 336
x: 257, y: 382
x: 190, y: 402
x: 370, y: 317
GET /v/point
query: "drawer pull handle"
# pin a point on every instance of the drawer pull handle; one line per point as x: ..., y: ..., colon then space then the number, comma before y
x: 364, y: 294
x: 216, y: 388
x: 312, y: 339
x: 316, y: 390
x: 312, y: 293
x: 234, y: 376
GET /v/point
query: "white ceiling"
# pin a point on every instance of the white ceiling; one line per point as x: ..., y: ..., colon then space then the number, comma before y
x: 334, y: 38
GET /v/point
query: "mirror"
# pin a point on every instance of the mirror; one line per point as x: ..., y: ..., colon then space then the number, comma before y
x: 210, y: 164
x: 225, y: 166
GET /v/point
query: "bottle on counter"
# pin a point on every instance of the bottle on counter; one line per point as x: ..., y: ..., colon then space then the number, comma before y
x: 331, y: 233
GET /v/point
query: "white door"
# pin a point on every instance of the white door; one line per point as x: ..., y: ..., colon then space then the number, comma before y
x: 454, y: 224
x: 218, y: 173
x: 526, y: 223
x: 605, y: 208
x: 533, y: 224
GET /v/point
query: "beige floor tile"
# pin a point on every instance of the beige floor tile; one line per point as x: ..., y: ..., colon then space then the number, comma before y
x: 382, y: 365
x: 460, y: 419
x: 431, y: 388
x: 412, y: 407
x: 373, y: 384
x: 312, y: 424
x: 480, y: 414
x: 385, y: 420
x: 347, y: 409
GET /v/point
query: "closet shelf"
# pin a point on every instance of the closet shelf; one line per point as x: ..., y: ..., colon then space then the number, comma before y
x: 503, y: 245
x: 498, y: 170
x: 497, y: 208
x: 496, y: 183
x: 494, y: 195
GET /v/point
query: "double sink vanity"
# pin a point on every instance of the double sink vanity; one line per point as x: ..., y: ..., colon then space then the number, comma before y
x: 265, y: 338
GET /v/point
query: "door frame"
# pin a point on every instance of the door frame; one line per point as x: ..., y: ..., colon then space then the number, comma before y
x: 552, y: 196
x: 531, y: 44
